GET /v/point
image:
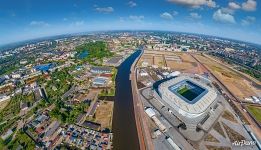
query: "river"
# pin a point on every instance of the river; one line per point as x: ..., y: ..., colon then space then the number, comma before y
x: 124, y: 126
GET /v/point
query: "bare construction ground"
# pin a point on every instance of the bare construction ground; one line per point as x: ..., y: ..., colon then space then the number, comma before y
x: 147, y: 58
x: 153, y: 58
x: 104, y: 113
x: 4, y: 104
x: 187, y: 64
x: 179, y: 61
x: 233, y: 80
x: 159, y: 61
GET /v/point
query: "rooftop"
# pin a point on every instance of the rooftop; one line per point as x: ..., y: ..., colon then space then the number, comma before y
x: 188, y: 94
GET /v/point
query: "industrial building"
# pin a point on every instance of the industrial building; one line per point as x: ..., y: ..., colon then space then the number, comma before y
x: 101, y: 69
x: 100, y: 81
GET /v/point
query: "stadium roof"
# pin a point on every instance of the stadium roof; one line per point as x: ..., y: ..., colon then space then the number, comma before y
x: 182, y: 105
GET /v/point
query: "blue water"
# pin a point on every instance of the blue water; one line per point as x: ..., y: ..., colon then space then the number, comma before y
x: 44, y: 67
x: 83, y: 54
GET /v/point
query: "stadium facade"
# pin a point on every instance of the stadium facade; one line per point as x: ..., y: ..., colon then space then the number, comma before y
x: 193, y: 100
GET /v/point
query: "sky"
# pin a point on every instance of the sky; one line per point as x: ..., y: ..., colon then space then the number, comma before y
x: 28, y: 19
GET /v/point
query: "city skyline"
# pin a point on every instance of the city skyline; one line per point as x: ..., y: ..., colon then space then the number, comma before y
x: 23, y: 20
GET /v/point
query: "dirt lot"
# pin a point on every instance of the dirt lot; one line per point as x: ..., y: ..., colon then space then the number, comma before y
x: 233, y: 80
x: 4, y: 104
x: 147, y: 58
x: 159, y: 61
x: 104, y: 114
x: 175, y: 60
x: 92, y: 94
x: 153, y: 58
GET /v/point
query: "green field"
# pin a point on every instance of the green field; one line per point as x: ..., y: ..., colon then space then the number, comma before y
x: 256, y: 112
x: 187, y: 93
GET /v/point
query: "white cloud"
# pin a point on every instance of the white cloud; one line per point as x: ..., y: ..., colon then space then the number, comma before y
x: 104, y: 9
x: 233, y: 5
x: 136, y: 18
x: 39, y: 23
x: 79, y: 23
x: 195, y: 3
x: 132, y: 4
x: 166, y: 16
x: 228, y: 10
x: 248, y: 20
x: 175, y: 13
x: 249, y: 5
x: 122, y: 19
x: 211, y: 4
x: 223, y: 17
x: 195, y: 16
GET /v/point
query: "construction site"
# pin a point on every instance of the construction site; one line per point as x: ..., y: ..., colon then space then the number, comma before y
x: 236, y: 121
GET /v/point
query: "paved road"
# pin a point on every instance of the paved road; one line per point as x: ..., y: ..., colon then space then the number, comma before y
x: 140, y: 118
x: 171, y: 119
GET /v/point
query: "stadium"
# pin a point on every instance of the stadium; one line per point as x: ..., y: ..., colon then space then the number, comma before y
x: 192, y: 99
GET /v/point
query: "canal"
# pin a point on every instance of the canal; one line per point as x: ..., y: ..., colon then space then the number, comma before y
x: 124, y: 126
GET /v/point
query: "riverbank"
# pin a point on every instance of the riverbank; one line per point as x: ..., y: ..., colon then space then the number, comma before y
x: 124, y: 125
x: 140, y: 118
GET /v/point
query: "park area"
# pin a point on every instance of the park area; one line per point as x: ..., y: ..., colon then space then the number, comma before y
x: 93, y: 52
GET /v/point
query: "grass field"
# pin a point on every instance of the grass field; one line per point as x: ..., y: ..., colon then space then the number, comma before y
x: 187, y: 93
x: 256, y: 112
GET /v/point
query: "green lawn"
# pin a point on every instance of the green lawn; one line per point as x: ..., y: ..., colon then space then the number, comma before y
x: 187, y: 93
x: 183, y: 90
x: 256, y: 112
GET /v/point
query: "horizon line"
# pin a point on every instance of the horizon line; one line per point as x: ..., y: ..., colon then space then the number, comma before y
x: 21, y: 42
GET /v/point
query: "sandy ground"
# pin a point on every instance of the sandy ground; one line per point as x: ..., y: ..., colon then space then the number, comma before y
x: 159, y: 61
x: 179, y: 61
x: 233, y: 80
x: 92, y: 94
x: 147, y: 58
x: 104, y: 114
x: 4, y: 104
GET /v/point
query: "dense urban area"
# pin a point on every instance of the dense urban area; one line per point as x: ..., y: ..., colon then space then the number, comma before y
x: 59, y: 92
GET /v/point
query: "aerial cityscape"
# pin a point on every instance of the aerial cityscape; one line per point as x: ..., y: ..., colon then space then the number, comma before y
x: 130, y: 75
